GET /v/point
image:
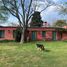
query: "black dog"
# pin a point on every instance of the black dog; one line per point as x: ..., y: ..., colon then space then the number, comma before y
x: 40, y: 46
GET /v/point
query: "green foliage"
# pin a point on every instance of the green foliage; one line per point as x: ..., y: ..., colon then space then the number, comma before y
x: 13, y: 54
x: 36, y: 20
x: 60, y: 23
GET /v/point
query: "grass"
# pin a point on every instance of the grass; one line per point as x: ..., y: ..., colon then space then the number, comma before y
x: 27, y: 55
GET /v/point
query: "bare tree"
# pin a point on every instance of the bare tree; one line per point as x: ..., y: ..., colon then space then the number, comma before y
x: 63, y: 10
x: 3, y: 13
x: 23, y: 10
x: 61, y: 7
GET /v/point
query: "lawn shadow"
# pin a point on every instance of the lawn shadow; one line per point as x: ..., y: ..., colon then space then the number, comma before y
x: 47, y: 50
x: 6, y: 41
x: 65, y: 41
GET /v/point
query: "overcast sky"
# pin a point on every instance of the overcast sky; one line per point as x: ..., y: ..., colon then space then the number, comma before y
x: 50, y: 15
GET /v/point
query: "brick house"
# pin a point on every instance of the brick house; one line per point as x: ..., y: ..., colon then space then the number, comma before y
x: 47, y: 33
x: 42, y: 33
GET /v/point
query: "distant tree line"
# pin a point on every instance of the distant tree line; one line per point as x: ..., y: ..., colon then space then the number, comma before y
x: 59, y: 23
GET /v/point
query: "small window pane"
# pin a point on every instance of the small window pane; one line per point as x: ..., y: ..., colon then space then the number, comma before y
x: 1, y: 33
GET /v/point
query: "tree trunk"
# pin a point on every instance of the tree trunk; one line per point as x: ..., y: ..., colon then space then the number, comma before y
x: 23, y: 35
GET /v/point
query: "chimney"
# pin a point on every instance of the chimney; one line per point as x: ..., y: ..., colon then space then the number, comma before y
x: 45, y: 24
x: 65, y: 27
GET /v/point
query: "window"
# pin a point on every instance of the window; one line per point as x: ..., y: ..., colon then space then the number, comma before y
x: 1, y: 33
x: 14, y: 33
x: 43, y: 33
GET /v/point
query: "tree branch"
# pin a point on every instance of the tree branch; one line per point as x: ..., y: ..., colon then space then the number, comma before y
x: 17, y: 13
x: 28, y: 12
x: 22, y: 6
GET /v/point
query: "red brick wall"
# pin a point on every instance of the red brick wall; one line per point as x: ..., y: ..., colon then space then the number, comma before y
x: 8, y: 33
x: 59, y: 36
x: 39, y: 35
x: 41, y: 29
x: 48, y: 35
x: 64, y: 36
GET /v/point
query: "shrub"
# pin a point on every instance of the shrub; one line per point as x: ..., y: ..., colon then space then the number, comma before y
x: 18, y: 34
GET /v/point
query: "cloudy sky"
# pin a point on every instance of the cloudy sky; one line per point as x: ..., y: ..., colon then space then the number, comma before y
x: 50, y: 14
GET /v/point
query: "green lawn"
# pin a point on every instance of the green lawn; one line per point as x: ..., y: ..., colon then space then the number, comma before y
x: 27, y: 55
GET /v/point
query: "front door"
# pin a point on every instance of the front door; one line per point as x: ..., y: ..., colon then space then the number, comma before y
x: 54, y: 35
x: 33, y: 35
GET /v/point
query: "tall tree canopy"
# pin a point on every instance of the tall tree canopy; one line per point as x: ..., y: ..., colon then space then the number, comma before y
x: 36, y: 20
x: 60, y: 23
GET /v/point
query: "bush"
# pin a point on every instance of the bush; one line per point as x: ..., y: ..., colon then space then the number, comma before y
x: 18, y: 34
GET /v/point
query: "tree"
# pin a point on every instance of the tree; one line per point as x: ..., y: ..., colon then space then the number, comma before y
x: 23, y: 11
x: 36, y: 20
x: 60, y: 23
x: 3, y: 13
x: 63, y: 8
